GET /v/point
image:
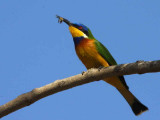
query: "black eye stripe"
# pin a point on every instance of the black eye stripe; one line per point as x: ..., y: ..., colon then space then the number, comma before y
x: 86, y: 32
x: 75, y: 25
x: 81, y: 28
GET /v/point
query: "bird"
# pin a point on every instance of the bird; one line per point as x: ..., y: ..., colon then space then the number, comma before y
x: 93, y: 54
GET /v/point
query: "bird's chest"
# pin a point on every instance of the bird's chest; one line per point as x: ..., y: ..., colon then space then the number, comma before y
x: 88, y: 54
x: 86, y: 50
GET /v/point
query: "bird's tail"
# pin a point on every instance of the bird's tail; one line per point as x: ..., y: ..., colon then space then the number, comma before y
x: 135, y: 104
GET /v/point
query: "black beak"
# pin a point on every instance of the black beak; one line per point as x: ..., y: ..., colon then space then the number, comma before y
x: 60, y: 20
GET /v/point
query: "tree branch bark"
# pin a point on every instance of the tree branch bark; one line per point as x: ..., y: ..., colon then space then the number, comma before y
x: 139, y: 67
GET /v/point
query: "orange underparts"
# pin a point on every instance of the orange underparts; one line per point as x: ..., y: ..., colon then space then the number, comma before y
x: 88, y: 54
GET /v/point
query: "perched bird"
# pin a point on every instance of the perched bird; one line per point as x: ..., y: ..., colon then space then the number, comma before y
x: 94, y: 54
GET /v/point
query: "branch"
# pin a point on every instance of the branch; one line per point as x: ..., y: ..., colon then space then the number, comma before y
x: 139, y: 67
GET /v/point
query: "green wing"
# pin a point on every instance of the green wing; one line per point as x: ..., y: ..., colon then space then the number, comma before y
x: 103, y: 51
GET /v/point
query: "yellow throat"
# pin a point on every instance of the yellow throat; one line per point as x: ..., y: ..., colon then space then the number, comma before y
x: 76, y: 32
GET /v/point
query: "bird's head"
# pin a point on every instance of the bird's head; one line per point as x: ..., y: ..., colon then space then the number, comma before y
x: 77, y: 30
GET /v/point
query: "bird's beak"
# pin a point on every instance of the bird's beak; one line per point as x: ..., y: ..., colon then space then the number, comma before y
x: 75, y: 32
x: 60, y: 20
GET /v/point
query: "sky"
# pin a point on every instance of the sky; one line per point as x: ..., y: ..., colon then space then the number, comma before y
x: 36, y: 50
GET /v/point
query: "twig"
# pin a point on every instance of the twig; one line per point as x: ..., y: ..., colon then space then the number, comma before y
x: 139, y: 67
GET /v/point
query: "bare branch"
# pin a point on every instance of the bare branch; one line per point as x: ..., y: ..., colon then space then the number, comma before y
x: 139, y: 67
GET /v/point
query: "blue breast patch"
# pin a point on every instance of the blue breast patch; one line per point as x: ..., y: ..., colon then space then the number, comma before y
x: 77, y: 40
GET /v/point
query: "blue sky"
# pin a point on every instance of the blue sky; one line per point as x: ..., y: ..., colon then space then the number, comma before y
x: 35, y: 50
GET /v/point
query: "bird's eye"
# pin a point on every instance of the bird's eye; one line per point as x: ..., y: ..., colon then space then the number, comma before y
x: 80, y: 27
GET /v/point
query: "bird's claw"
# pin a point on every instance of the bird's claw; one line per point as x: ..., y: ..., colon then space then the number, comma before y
x: 139, y: 61
x: 83, y: 72
x: 100, y: 68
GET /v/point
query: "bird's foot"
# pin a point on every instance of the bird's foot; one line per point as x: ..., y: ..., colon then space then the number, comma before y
x: 139, y: 61
x: 83, y: 72
x: 99, y: 69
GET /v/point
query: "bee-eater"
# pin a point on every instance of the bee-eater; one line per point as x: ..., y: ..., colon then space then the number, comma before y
x: 94, y: 54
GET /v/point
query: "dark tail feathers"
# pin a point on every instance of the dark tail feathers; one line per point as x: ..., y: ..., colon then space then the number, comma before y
x: 138, y: 107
